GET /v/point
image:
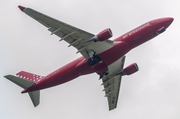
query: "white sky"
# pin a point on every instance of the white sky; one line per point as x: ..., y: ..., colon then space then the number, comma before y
x: 151, y: 93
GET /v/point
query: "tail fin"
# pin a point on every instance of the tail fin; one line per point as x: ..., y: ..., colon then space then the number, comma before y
x: 29, y: 76
x: 28, y: 81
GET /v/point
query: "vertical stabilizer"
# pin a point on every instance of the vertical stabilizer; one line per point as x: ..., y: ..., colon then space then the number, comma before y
x: 29, y: 76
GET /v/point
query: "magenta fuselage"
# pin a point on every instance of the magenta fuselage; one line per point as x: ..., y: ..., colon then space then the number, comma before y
x: 124, y: 44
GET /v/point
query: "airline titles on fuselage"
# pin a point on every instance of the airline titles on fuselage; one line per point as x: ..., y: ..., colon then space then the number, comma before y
x: 136, y: 30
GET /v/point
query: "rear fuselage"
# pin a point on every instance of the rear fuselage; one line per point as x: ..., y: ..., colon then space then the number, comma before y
x: 123, y: 45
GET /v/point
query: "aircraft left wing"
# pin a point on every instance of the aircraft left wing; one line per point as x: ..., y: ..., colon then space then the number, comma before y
x: 76, y: 37
x: 112, y: 82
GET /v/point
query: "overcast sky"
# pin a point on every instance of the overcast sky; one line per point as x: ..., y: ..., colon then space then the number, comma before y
x: 151, y: 93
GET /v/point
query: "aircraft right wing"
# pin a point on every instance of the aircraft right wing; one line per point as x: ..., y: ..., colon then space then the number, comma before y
x: 76, y: 37
x: 112, y: 82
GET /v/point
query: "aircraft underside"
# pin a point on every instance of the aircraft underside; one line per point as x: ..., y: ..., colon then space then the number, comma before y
x: 99, y: 54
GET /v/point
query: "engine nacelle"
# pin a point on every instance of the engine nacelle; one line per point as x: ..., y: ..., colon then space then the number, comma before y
x: 130, y: 69
x: 103, y: 35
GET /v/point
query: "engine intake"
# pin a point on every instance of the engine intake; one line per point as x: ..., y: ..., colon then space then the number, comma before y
x: 103, y: 35
x: 130, y: 69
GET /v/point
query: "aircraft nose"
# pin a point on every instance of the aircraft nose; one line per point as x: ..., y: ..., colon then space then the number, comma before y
x: 166, y: 21
x: 169, y: 20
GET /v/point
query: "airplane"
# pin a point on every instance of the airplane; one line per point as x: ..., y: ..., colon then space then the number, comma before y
x: 99, y: 55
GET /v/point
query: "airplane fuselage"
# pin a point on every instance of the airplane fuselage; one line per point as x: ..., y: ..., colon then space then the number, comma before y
x: 123, y: 45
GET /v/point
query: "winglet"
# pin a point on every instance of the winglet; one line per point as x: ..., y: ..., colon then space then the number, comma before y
x: 21, y: 8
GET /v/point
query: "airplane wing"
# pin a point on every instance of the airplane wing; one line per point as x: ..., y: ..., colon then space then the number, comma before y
x: 112, y: 82
x: 72, y: 35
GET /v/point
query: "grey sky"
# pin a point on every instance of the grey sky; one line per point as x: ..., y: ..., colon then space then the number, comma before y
x: 151, y: 93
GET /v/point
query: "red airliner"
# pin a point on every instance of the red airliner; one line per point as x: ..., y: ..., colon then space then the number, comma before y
x: 99, y: 54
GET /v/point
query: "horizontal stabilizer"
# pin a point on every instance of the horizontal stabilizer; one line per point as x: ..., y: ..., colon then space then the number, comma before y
x: 35, y: 96
x: 24, y: 83
x: 20, y: 82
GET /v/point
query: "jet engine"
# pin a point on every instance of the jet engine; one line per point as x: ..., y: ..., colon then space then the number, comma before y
x: 130, y: 69
x: 103, y: 35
